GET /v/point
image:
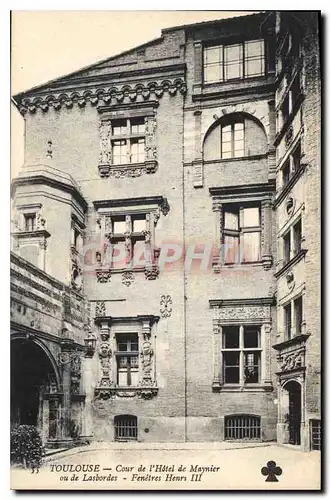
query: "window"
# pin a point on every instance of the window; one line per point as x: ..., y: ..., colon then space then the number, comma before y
x: 128, y: 141
x: 127, y: 359
x: 242, y: 427
x: 242, y: 234
x: 241, y: 354
x: 227, y: 62
x: 287, y: 247
x: 298, y: 314
x: 30, y: 221
x: 232, y: 141
x: 288, y: 321
x: 292, y: 241
x: 315, y: 434
x: 128, y: 240
x: 292, y: 164
x: 126, y: 428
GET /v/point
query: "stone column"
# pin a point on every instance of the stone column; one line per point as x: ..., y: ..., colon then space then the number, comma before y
x: 266, y: 233
x: 217, y: 336
x: 218, y: 244
x: 198, y: 173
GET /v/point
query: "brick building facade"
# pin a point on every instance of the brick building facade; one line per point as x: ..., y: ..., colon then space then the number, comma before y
x: 151, y: 202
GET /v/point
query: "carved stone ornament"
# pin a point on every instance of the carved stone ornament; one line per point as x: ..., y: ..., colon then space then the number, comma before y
x: 292, y: 361
x: 290, y: 205
x: 128, y: 278
x: 103, y: 275
x: 152, y: 272
x: 76, y: 366
x: 165, y: 306
x: 290, y: 280
x: 100, y: 309
x: 101, y: 96
x: 150, y: 138
x: 242, y: 313
x: 146, y: 355
x: 105, y: 146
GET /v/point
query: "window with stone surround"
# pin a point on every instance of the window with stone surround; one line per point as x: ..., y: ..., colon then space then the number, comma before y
x: 241, y: 344
x: 293, y: 317
x: 242, y: 233
x: 30, y: 220
x: 243, y: 225
x: 234, y: 61
x: 292, y: 241
x: 241, y: 352
x: 126, y: 354
x: 128, y: 140
x: 126, y: 232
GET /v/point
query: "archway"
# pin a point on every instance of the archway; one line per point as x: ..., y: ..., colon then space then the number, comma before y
x: 294, y: 409
x: 32, y: 375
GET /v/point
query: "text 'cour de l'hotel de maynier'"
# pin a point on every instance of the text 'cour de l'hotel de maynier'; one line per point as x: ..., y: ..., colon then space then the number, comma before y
x: 165, y: 265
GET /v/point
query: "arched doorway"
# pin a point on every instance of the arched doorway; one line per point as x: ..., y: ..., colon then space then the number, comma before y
x: 294, y: 409
x: 32, y: 375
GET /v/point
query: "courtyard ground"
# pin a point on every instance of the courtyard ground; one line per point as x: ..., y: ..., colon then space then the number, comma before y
x: 175, y: 466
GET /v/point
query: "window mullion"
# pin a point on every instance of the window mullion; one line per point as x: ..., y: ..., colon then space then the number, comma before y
x: 241, y: 356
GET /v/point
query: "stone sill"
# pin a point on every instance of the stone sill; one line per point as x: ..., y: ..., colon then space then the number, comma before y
x: 236, y: 388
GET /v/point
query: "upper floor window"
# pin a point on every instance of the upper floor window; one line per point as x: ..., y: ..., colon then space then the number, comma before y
x: 128, y: 240
x: 232, y: 140
x: 292, y: 164
x: 237, y: 61
x: 293, y: 317
x: 292, y: 241
x: 30, y: 221
x: 242, y: 234
x: 128, y: 141
x: 235, y: 136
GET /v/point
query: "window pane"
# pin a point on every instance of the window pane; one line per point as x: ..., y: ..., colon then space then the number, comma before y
x: 254, y: 67
x: 231, y: 367
x: 287, y: 247
x: 232, y: 53
x: 231, y: 249
x: 119, y: 226
x: 212, y: 73
x: 233, y: 70
x: 230, y: 337
x: 251, y: 336
x: 251, y: 217
x: 298, y: 314
x: 122, y: 360
x: 231, y: 220
x: 286, y: 172
x: 287, y: 321
x: 251, y: 250
x: 119, y: 152
x: 137, y: 150
x: 119, y: 127
x: 134, y: 378
x: 252, y: 367
x: 254, y: 48
x: 138, y: 126
x: 139, y: 225
x: 123, y: 378
x: 213, y: 54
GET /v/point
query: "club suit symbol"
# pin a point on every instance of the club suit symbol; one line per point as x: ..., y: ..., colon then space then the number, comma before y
x: 271, y: 471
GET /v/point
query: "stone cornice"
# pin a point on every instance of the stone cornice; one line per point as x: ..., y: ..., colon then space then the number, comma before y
x: 260, y: 301
x: 41, y: 178
x: 298, y: 339
x: 97, y: 95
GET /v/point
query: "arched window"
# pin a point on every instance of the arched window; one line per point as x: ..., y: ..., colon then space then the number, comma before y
x: 235, y: 136
x: 242, y: 427
x: 126, y: 428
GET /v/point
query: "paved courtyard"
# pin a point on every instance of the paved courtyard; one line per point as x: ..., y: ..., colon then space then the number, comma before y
x: 115, y: 466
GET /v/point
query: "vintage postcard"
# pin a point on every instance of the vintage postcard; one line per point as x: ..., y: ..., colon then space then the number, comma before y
x: 165, y: 250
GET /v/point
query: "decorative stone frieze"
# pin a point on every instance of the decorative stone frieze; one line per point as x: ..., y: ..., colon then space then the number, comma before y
x: 165, y: 306
x: 101, y: 96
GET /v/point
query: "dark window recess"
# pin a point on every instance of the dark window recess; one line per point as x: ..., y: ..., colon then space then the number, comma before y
x: 298, y: 314
x: 315, y: 434
x: 296, y: 157
x: 286, y: 172
x: 30, y: 222
x: 242, y: 427
x: 288, y: 321
x: 231, y: 367
x: 126, y: 428
x: 287, y: 247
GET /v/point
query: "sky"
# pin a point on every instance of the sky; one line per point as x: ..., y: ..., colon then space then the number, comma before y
x: 49, y: 44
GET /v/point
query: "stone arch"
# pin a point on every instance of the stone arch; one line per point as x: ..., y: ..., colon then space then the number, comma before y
x: 255, y: 138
